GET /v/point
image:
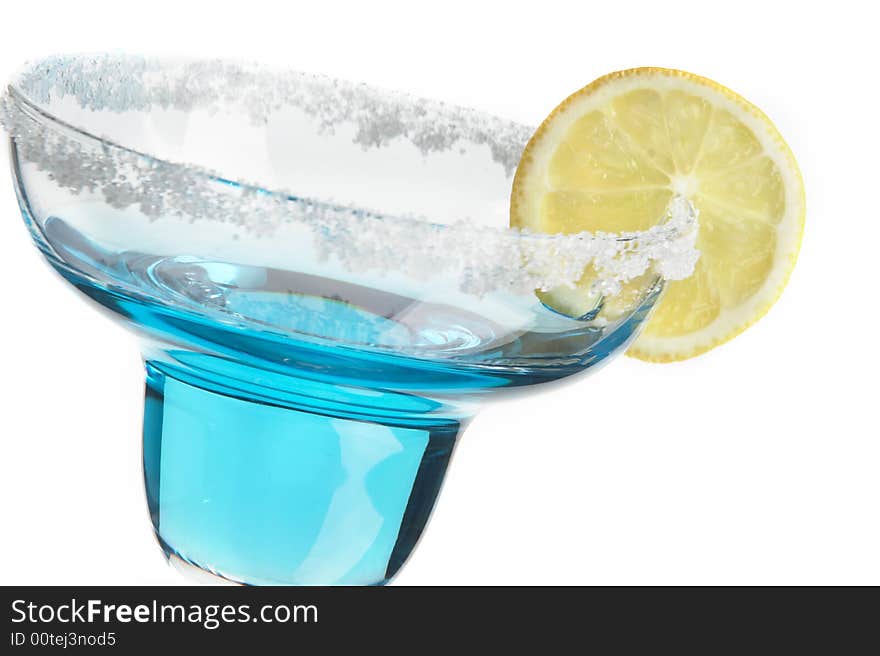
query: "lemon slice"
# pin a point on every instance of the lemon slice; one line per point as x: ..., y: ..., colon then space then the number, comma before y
x: 611, y: 157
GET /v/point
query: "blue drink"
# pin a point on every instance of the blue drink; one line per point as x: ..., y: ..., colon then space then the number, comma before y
x: 274, y: 455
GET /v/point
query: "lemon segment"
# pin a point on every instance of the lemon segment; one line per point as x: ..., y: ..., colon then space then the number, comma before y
x: 611, y: 157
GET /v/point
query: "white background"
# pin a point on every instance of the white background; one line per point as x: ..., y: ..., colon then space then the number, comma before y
x: 754, y: 464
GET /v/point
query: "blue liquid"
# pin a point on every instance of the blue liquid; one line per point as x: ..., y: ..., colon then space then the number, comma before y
x: 297, y: 428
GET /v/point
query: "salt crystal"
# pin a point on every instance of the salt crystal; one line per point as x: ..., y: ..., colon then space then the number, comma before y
x: 484, y: 259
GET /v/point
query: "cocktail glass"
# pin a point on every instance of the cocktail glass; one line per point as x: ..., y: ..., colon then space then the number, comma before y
x: 325, y: 291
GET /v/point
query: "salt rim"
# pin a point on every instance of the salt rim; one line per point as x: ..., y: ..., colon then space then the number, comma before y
x: 487, y: 259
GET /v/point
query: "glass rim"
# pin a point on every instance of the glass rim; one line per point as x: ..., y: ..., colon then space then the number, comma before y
x: 27, y: 120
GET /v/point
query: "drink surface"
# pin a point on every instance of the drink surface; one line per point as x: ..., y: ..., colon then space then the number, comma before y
x: 316, y: 326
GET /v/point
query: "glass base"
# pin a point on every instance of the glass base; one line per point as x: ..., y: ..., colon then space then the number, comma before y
x: 262, y: 493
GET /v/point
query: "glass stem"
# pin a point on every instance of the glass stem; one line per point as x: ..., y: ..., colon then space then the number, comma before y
x: 266, y: 492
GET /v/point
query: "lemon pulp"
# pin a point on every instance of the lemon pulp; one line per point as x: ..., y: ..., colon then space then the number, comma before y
x: 613, y: 154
